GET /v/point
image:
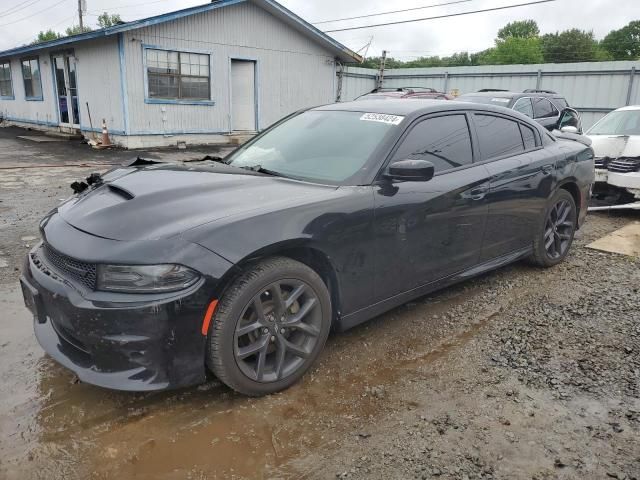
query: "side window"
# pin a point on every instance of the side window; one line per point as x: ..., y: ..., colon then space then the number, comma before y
x: 31, y: 79
x: 524, y: 106
x: 6, y: 86
x: 497, y: 136
x: 560, y: 102
x: 444, y: 141
x: 543, y: 108
x: 528, y: 136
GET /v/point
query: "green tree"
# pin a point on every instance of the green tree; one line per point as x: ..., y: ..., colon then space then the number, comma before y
x: 75, y: 30
x: 623, y: 44
x: 519, y: 29
x: 571, y: 46
x: 513, y: 50
x: 105, y: 20
x: 46, y: 36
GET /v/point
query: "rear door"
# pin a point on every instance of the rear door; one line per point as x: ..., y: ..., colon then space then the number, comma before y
x: 520, y: 182
x: 429, y: 230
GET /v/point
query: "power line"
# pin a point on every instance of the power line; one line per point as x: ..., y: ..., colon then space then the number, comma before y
x: 392, y: 11
x: 133, y: 5
x: 505, y: 7
x: 19, y: 7
x: 33, y: 14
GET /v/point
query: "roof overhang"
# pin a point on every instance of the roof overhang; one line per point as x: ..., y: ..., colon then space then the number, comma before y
x: 341, y: 52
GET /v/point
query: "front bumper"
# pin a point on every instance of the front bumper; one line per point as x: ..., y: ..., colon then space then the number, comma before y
x: 601, y: 175
x: 629, y: 181
x: 148, y: 344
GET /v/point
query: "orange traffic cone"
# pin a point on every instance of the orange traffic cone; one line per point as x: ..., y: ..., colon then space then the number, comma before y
x: 105, y: 134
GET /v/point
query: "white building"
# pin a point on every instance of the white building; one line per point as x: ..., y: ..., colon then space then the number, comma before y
x: 198, y: 75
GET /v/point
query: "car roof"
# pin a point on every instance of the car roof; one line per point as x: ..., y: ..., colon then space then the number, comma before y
x: 414, y: 106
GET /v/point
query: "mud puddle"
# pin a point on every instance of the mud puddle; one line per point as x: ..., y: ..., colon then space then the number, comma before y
x: 50, y: 423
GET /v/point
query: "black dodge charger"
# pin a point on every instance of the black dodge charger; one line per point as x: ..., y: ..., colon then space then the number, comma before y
x: 156, y: 274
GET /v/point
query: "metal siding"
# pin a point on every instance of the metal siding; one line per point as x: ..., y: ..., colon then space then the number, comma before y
x: 294, y: 71
x: 99, y: 84
x: 35, y: 112
x: 357, y: 81
x: 589, y: 86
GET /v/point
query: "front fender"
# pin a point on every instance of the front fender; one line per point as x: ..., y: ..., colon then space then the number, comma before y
x: 340, y: 228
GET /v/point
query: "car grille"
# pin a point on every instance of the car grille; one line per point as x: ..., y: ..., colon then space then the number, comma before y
x: 601, y: 162
x: 76, y: 270
x: 624, y: 165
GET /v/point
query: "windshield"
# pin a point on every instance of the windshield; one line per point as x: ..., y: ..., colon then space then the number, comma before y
x: 501, y: 101
x: 621, y: 122
x: 319, y: 146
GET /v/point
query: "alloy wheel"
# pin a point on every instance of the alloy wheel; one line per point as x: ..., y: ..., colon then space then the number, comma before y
x: 277, y: 330
x: 558, y: 230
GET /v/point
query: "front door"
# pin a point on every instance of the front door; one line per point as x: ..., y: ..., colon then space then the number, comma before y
x: 429, y: 230
x: 64, y: 67
x: 243, y: 96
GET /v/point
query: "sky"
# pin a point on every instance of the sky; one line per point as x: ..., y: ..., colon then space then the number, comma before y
x: 21, y: 20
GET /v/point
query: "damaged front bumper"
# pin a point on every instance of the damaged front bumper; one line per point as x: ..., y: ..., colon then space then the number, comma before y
x: 124, y: 341
x: 114, y: 341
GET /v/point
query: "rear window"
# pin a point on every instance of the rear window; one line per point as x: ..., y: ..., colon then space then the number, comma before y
x: 497, y: 136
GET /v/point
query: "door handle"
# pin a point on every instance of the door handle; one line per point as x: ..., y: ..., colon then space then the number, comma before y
x: 547, y: 169
x: 478, y: 193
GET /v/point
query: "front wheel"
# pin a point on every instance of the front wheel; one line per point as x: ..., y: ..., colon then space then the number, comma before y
x: 269, y: 327
x: 555, y: 236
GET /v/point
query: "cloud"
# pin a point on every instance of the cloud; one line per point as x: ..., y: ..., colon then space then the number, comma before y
x: 437, y: 37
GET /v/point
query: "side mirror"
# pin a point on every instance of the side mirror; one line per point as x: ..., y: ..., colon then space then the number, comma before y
x: 411, y: 170
x: 569, y: 118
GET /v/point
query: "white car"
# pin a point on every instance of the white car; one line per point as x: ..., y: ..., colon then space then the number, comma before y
x: 616, y: 144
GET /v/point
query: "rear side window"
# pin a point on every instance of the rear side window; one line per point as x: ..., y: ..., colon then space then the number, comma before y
x: 497, y: 136
x: 561, y: 102
x: 523, y: 105
x: 542, y: 108
x: 444, y: 141
x: 528, y: 136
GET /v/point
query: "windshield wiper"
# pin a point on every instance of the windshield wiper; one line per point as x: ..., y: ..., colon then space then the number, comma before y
x: 260, y: 169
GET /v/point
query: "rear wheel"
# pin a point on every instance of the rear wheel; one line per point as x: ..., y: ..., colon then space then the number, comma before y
x: 555, y: 236
x: 270, y: 327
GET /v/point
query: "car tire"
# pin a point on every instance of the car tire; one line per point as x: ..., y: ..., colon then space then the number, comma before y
x: 555, y: 234
x: 254, y: 324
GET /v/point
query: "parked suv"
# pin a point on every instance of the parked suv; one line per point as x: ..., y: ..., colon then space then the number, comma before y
x: 546, y: 107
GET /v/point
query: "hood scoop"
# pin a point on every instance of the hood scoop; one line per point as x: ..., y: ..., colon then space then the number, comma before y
x: 123, y: 192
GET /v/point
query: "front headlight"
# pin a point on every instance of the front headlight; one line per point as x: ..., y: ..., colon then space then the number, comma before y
x: 145, y: 278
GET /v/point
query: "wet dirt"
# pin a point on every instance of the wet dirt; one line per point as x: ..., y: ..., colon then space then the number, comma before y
x: 438, y: 388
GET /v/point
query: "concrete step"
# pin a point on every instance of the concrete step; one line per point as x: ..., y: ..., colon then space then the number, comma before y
x: 65, y: 135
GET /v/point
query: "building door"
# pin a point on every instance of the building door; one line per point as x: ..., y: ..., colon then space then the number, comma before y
x: 64, y: 67
x: 243, y: 96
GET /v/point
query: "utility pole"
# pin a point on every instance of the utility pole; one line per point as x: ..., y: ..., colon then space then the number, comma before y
x: 80, y: 9
x: 383, y: 61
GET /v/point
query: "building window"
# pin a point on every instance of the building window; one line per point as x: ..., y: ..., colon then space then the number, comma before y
x: 6, y: 87
x: 31, y: 78
x: 178, y: 75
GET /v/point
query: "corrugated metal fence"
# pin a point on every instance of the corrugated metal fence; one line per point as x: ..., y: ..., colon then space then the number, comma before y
x: 593, y: 88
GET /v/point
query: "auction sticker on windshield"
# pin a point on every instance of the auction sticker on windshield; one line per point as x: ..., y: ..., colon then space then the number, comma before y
x: 383, y: 118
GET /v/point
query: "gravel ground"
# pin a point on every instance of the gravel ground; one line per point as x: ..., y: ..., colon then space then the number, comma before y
x: 545, y: 383
x: 522, y: 373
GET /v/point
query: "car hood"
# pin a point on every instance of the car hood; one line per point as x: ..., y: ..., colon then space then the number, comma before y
x: 160, y: 202
x: 614, y: 146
